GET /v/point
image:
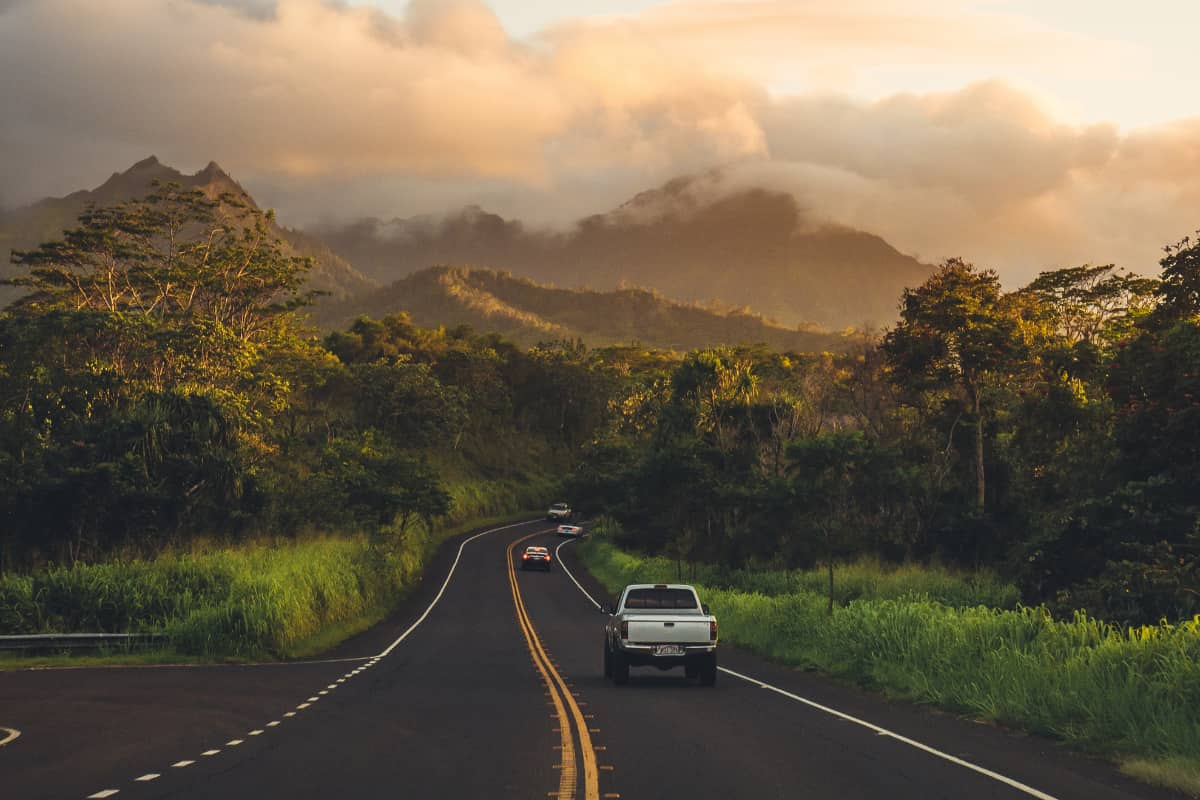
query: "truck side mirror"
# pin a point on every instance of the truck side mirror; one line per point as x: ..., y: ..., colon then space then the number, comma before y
x: 704, y: 608
x: 605, y: 608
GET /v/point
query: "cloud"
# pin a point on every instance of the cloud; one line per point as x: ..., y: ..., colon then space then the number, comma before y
x: 317, y: 90
x: 325, y: 109
x: 986, y: 173
x: 255, y: 9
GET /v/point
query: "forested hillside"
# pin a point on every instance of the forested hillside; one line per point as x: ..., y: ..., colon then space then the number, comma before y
x: 1050, y: 433
x: 161, y: 385
x: 26, y: 227
x: 527, y: 313
x: 694, y: 239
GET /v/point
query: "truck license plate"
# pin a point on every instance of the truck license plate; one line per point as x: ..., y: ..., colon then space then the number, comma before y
x: 668, y: 650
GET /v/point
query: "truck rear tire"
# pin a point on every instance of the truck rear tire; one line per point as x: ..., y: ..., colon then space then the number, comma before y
x: 708, y: 671
x: 620, y: 669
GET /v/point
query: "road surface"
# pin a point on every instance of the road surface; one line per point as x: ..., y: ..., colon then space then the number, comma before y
x: 487, y: 684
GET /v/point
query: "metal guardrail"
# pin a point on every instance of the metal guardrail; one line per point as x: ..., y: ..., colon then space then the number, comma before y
x: 76, y: 641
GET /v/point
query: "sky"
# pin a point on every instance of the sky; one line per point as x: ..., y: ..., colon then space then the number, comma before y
x: 1020, y: 135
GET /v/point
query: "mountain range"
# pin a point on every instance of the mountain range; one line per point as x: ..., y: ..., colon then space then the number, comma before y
x: 25, y: 228
x: 528, y: 312
x: 694, y: 248
x: 694, y: 239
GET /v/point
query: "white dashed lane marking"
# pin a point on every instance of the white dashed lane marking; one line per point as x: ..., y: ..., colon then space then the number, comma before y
x: 371, y: 661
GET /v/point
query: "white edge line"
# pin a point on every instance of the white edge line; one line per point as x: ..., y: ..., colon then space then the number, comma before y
x: 197, y: 665
x: 12, y: 733
x: 892, y: 734
x: 569, y: 575
x: 1029, y: 790
x: 445, y: 583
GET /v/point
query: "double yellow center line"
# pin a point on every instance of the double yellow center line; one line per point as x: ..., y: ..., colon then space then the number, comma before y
x: 565, y: 707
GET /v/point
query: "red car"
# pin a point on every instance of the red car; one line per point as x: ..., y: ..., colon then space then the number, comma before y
x: 536, y: 557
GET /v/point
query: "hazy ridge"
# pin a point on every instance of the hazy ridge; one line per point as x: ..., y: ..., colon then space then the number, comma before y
x: 529, y: 312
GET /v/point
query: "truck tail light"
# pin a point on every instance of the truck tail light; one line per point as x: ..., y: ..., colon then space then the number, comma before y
x: 524, y: 556
x: 712, y: 630
x: 625, y: 629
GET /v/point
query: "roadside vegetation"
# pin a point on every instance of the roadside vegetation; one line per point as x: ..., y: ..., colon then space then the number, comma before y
x: 161, y: 386
x: 264, y: 599
x: 1129, y: 692
x: 181, y: 453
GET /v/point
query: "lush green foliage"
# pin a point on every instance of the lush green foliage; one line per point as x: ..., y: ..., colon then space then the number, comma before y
x: 1129, y: 691
x: 159, y: 385
x: 1050, y: 433
x: 865, y: 579
x: 249, y: 601
x: 529, y: 313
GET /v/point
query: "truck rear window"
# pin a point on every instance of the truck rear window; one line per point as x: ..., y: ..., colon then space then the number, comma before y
x: 660, y: 598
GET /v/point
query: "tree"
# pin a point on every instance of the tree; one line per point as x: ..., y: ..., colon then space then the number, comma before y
x: 955, y: 338
x: 138, y: 378
x: 843, y: 484
x: 1180, y: 287
x: 1093, y: 305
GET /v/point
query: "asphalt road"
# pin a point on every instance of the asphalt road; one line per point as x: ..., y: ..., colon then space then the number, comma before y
x: 495, y: 693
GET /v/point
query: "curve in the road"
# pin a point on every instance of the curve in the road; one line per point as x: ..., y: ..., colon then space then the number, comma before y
x: 561, y: 697
x: 313, y: 698
x: 1015, y: 784
x: 458, y: 557
x: 9, y: 735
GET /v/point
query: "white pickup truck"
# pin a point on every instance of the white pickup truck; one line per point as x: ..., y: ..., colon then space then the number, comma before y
x: 660, y: 625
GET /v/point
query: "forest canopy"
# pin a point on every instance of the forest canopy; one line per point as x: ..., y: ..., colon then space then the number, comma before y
x: 160, y: 383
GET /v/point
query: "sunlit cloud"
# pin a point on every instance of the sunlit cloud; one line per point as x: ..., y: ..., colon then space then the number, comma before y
x: 330, y: 110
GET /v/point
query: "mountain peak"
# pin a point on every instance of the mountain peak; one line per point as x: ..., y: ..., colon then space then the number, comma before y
x: 145, y: 163
x: 212, y: 170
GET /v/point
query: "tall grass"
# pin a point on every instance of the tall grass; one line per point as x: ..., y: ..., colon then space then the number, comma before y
x: 249, y: 601
x: 1124, y: 692
x: 255, y: 600
x: 866, y: 579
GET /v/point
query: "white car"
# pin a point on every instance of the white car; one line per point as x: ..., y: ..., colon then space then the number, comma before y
x: 559, y: 511
x: 571, y: 530
x: 536, y: 557
x: 661, y: 625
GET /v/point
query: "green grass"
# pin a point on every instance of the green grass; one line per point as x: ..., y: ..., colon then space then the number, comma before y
x: 1132, y: 694
x: 263, y: 600
x: 866, y: 579
x: 1174, y: 773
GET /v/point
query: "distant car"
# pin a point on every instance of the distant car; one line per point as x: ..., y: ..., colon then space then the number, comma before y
x: 536, y: 557
x: 559, y: 511
x: 571, y: 530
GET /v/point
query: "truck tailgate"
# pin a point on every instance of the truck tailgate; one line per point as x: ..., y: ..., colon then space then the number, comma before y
x: 667, y: 629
